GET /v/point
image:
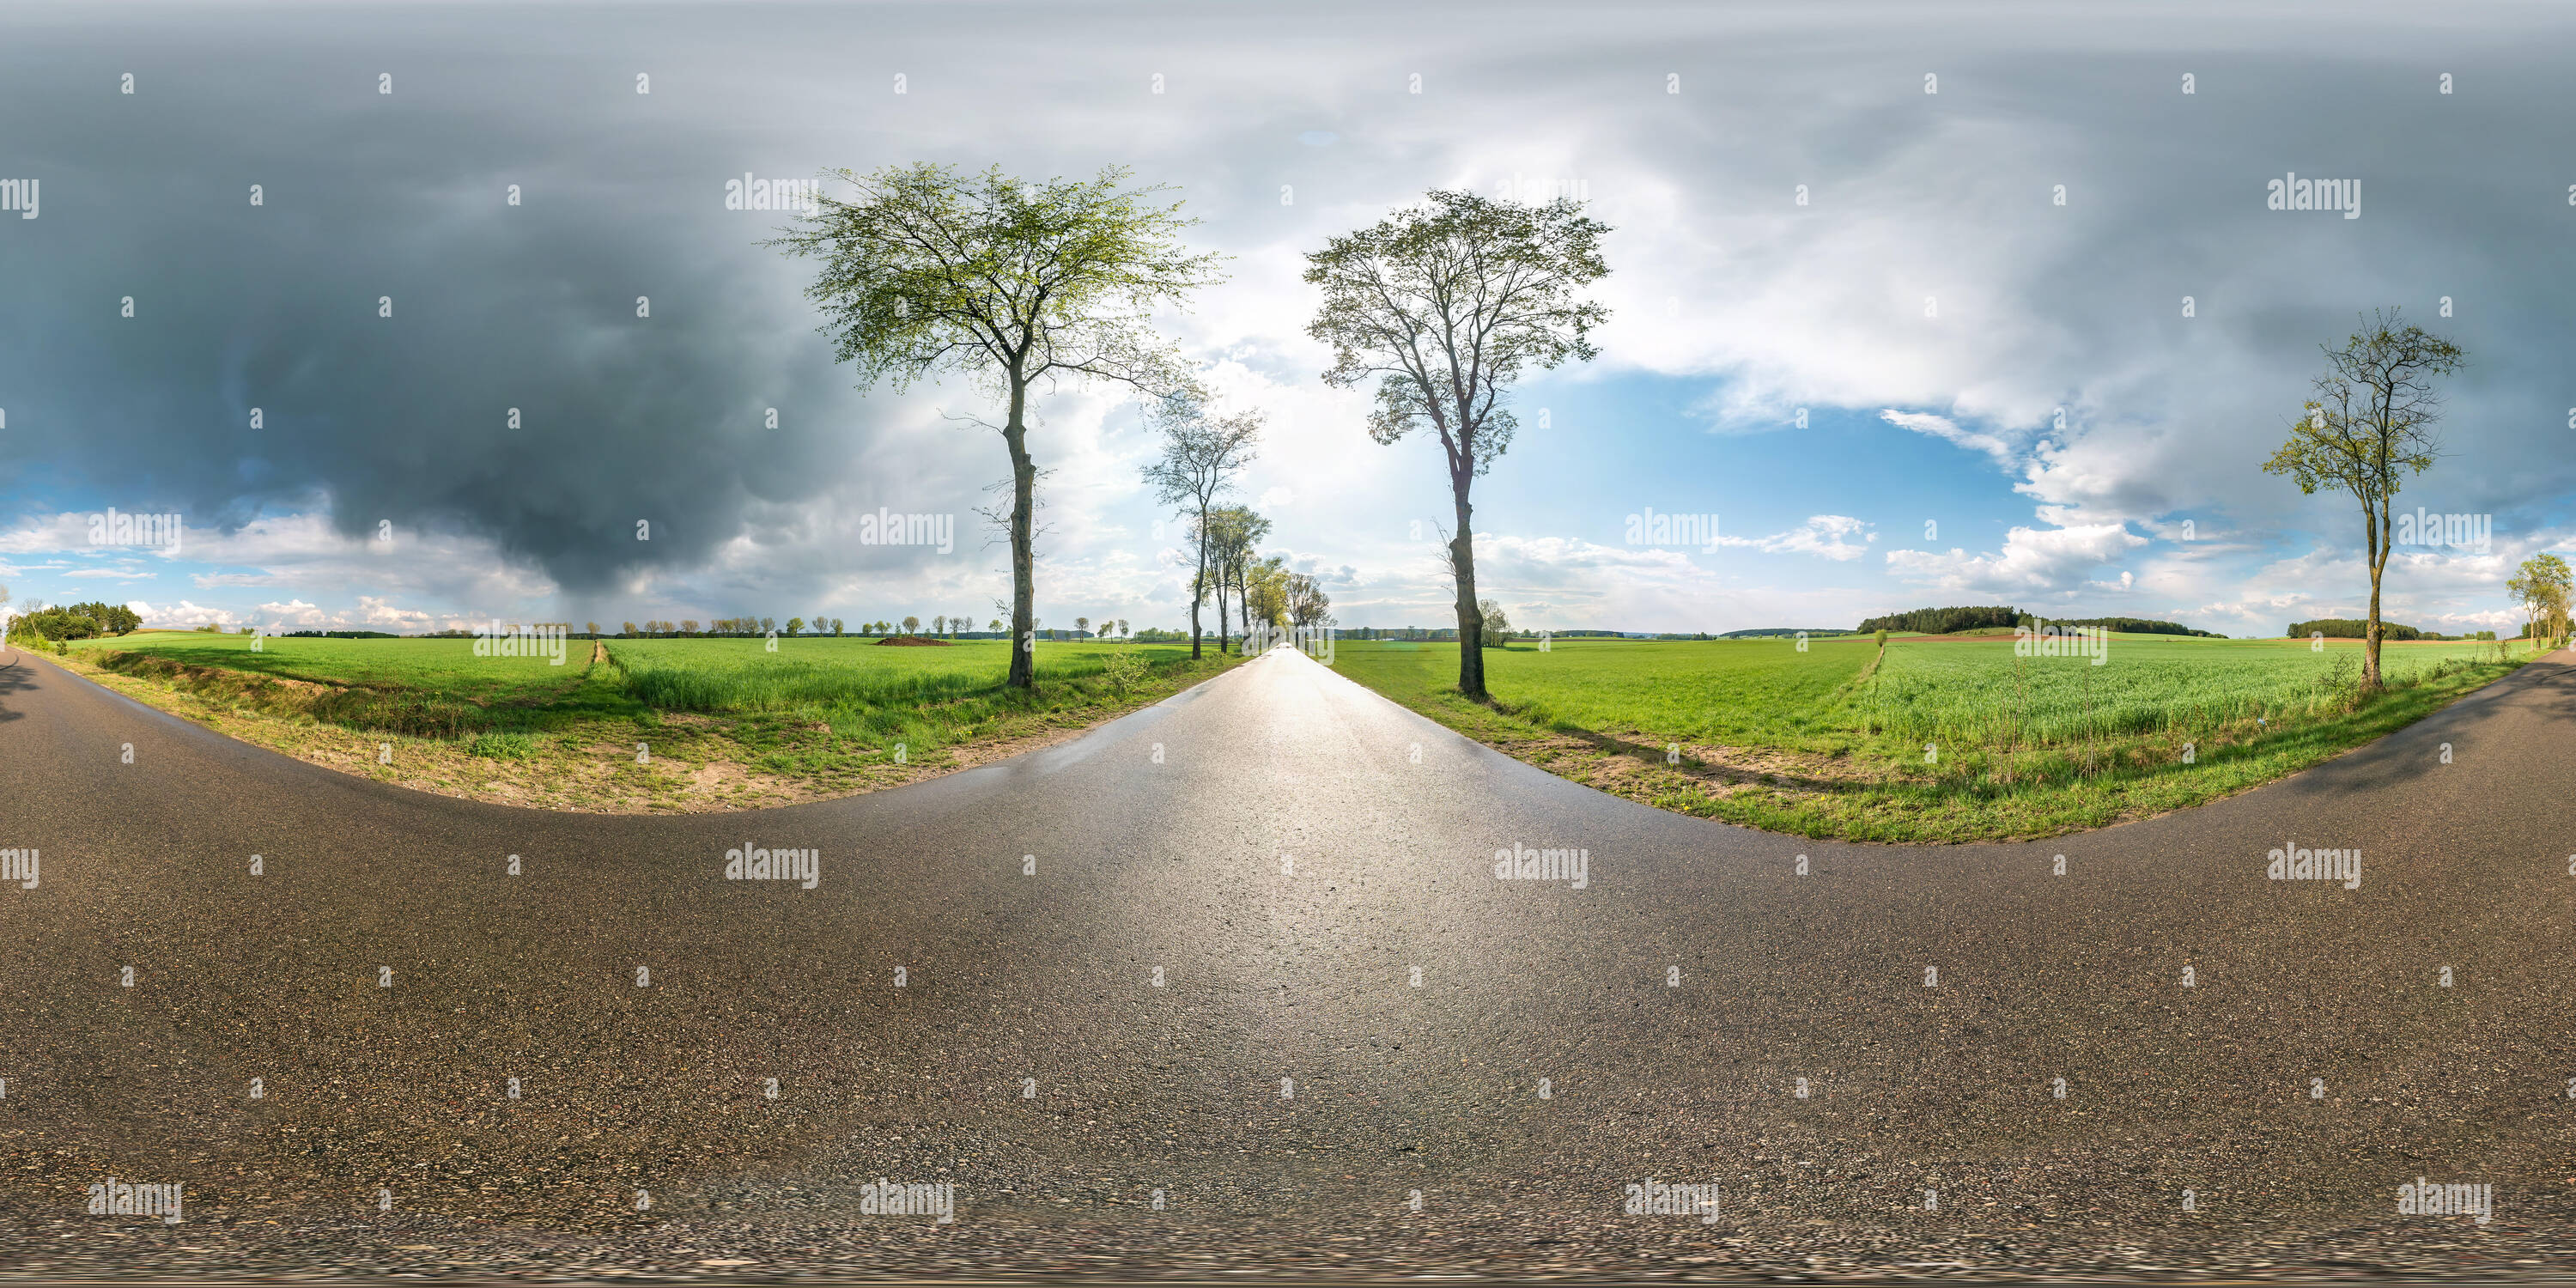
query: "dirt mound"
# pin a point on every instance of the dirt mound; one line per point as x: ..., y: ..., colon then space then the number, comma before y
x: 913, y: 641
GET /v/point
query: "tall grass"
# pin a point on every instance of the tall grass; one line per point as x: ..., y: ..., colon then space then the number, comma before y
x: 743, y: 677
x: 789, y: 686
x: 1934, y: 741
x: 1979, y: 694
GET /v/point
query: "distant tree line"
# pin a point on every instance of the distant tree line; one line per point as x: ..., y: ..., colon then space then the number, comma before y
x: 1950, y: 621
x: 2137, y: 626
x: 1944, y: 621
x: 2346, y: 628
x: 76, y: 621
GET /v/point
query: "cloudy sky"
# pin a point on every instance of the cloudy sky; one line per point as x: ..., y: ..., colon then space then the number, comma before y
x: 1929, y: 382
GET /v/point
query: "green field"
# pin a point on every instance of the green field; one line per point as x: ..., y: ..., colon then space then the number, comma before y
x: 727, y: 722
x: 1939, y: 740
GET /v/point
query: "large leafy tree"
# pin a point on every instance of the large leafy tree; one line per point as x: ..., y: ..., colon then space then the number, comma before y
x: 1308, y: 606
x: 1266, y: 591
x: 1447, y: 303
x: 2369, y: 425
x: 2542, y: 584
x: 1016, y: 285
x: 1201, y: 456
x: 1238, y: 530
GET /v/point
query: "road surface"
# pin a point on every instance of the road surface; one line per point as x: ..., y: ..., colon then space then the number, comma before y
x: 1245, y: 954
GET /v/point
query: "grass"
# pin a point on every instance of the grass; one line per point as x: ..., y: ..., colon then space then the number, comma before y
x: 1936, y: 740
x: 661, y: 725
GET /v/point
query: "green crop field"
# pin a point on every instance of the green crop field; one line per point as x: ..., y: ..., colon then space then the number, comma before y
x: 726, y: 722
x: 443, y: 665
x: 1941, y: 739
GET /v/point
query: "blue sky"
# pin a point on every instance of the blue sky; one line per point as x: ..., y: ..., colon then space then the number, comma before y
x: 1932, y: 307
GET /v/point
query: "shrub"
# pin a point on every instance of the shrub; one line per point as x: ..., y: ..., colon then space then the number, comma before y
x: 503, y: 746
x: 1125, y: 671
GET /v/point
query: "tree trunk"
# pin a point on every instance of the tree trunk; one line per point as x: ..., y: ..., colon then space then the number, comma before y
x: 2372, y: 525
x: 1024, y: 585
x: 1198, y: 585
x: 1220, y: 611
x: 1471, y: 619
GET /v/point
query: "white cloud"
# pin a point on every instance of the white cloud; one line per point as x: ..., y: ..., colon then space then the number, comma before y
x: 2033, y: 561
x: 1942, y: 427
x: 183, y: 615
x: 377, y: 613
x: 1821, y: 534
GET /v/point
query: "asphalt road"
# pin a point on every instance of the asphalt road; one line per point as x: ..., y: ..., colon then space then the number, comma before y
x: 1282, y: 850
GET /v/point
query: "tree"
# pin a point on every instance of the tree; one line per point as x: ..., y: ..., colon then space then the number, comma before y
x: 105, y: 618
x: 1238, y: 529
x: 1014, y: 284
x: 1447, y: 303
x: 995, y: 625
x: 1201, y: 457
x: 1266, y: 591
x: 591, y: 629
x: 1496, y: 627
x: 1081, y: 624
x: 1308, y: 605
x: 911, y: 625
x: 1123, y: 632
x: 2369, y: 425
x: 836, y: 628
x: 629, y: 629
x: 689, y: 626
x: 1232, y: 530
x: 2542, y: 586
x: 939, y: 624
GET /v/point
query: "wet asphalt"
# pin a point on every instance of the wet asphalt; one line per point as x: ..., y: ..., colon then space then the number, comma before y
x: 1175, y: 962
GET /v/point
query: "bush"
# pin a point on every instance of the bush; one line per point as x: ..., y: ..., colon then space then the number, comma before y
x: 503, y: 746
x: 1125, y: 671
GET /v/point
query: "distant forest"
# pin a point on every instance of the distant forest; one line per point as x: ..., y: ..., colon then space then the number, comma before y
x: 1948, y: 621
x: 2345, y: 628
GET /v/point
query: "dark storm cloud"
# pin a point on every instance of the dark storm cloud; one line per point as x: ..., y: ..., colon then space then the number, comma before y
x: 368, y: 195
